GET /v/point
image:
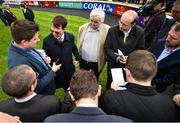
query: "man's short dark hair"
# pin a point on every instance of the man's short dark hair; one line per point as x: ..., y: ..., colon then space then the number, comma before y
x: 59, y: 21
x: 142, y: 65
x: 84, y: 85
x: 17, y: 81
x: 23, y: 30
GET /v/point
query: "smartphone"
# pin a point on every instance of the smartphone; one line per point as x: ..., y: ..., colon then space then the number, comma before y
x: 57, y: 61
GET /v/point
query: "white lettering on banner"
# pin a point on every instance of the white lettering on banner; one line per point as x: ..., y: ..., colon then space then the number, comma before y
x: 94, y: 5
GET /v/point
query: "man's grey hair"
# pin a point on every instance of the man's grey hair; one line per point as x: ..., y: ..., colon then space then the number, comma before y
x: 98, y: 12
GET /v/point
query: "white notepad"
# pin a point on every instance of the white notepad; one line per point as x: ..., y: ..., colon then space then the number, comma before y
x: 117, y: 76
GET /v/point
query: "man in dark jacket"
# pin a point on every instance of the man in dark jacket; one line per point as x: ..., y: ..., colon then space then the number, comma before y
x: 125, y: 37
x: 28, y: 13
x: 84, y: 90
x: 20, y: 83
x: 139, y: 101
x: 60, y: 45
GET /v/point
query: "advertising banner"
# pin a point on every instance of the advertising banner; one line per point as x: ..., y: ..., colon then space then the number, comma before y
x: 73, y: 5
x: 107, y: 7
x: 48, y: 3
x: 120, y: 9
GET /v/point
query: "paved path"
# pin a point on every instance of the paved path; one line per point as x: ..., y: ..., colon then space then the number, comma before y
x: 109, y: 19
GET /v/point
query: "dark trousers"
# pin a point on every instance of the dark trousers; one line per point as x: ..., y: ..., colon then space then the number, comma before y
x: 90, y: 65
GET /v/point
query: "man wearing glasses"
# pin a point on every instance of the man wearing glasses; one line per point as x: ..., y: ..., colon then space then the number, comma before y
x: 60, y: 46
x: 20, y: 83
x: 25, y: 38
x: 121, y: 40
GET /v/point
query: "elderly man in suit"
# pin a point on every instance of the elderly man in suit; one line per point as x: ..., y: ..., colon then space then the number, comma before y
x: 25, y: 38
x: 91, y: 38
x: 20, y: 82
x: 84, y: 90
x: 60, y: 46
x: 125, y: 37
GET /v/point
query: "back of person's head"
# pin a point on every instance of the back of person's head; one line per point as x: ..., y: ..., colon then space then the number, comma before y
x: 23, y: 30
x: 83, y: 84
x: 98, y: 12
x: 18, y: 80
x: 59, y: 21
x: 142, y: 65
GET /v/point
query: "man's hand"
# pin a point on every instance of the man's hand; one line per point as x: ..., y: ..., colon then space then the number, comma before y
x: 122, y: 59
x: 114, y: 86
x: 76, y: 63
x: 176, y: 99
x: 55, y: 67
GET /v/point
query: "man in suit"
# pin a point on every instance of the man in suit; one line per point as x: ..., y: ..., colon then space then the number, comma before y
x: 2, y: 17
x: 125, y: 37
x: 60, y: 46
x: 167, y: 52
x: 8, y: 15
x: 84, y: 90
x: 91, y: 38
x: 20, y: 83
x: 25, y: 38
x: 139, y: 101
x: 27, y: 12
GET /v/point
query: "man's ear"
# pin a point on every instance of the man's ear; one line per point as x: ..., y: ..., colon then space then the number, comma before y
x: 128, y: 72
x: 99, y: 90
x: 33, y: 87
x: 72, y: 97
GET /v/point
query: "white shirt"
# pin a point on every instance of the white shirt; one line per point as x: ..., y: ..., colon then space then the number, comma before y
x: 90, y: 45
x: 87, y: 105
x: 25, y: 99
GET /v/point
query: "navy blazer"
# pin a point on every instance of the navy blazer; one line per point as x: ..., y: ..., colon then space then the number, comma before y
x: 62, y: 51
x: 46, y: 84
x: 168, y: 68
x: 86, y: 114
x: 29, y: 15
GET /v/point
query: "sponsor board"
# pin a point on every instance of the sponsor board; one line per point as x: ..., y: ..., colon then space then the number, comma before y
x: 73, y: 5
x: 107, y: 7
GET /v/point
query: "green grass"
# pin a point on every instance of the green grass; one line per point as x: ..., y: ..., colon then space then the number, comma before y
x: 44, y: 20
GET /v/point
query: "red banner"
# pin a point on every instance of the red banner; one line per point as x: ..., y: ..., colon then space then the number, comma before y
x: 120, y: 9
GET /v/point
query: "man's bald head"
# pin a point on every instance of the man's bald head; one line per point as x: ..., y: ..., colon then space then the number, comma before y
x: 127, y: 20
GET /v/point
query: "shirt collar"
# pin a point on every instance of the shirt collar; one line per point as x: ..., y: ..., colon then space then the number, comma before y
x: 86, y: 105
x: 26, y: 98
x: 168, y: 50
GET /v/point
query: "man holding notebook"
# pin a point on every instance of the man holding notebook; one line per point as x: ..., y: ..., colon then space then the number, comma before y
x: 139, y: 101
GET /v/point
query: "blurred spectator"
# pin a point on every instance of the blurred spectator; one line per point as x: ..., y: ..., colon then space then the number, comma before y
x: 154, y: 22
x: 139, y: 101
x: 125, y: 37
x: 84, y: 90
x: 25, y: 38
x: 20, y: 83
x: 8, y: 15
x: 2, y: 17
x: 91, y: 38
x: 28, y: 13
x: 60, y: 46
x: 169, y: 22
